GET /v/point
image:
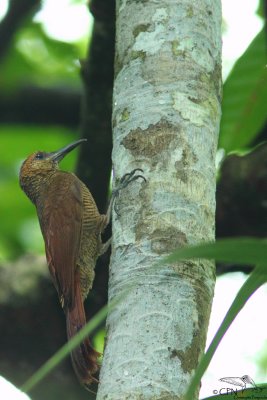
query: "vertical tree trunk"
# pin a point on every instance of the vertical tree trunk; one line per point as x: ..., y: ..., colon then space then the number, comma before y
x: 97, y: 73
x: 166, y: 120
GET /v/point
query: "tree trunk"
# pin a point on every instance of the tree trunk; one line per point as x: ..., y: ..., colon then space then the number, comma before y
x: 166, y: 115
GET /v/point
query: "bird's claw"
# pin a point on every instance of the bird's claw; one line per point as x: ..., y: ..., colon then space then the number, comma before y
x: 124, y: 182
x: 129, y: 177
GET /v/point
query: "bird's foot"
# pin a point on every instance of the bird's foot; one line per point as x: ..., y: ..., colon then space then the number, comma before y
x: 124, y: 182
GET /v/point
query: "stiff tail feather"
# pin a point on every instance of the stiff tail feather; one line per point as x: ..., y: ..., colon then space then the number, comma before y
x: 84, y: 357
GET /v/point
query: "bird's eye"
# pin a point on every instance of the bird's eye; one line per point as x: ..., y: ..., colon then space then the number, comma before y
x: 39, y: 156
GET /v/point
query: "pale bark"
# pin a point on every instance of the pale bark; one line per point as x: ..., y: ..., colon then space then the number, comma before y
x: 166, y: 120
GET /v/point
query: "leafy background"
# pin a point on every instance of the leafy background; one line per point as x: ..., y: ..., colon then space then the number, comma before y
x: 38, y: 73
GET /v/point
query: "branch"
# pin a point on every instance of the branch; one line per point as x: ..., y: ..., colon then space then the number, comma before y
x: 241, y: 195
x: 241, y: 199
x: 94, y: 165
x: 35, y: 105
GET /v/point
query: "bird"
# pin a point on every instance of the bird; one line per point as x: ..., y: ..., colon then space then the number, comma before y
x: 239, y: 381
x: 71, y: 226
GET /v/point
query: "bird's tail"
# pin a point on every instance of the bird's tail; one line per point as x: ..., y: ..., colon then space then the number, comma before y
x: 84, y: 356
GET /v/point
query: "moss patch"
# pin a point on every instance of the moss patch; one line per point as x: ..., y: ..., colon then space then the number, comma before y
x: 125, y: 115
x: 138, y: 54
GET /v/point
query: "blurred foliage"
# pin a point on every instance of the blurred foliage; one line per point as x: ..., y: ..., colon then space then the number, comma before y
x: 260, y: 11
x: 36, y: 58
x: 19, y: 231
x: 262, y: 360
x: 33, y: 59
x: 244, y: 110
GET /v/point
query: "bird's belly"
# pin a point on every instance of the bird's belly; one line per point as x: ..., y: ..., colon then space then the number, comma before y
x: 86, y: 261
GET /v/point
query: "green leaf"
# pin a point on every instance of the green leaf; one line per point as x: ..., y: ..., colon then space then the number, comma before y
x: 245, y: 97
x: 42, y: 61
x: 260, y: 11
x: 239, y: 251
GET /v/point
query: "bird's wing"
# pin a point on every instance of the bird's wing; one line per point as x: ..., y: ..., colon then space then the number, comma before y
x: 61, y: 218
x: 233, y: 380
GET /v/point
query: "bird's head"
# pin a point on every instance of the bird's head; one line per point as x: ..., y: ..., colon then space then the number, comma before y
x: 40, y: 165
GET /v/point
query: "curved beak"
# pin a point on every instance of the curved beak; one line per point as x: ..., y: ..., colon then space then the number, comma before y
x: 61, y: 153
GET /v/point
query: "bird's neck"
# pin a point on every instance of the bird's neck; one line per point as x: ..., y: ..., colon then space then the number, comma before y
x: 35, y: 186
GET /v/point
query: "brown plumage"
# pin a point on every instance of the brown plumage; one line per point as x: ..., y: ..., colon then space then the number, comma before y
x: 71, y: 226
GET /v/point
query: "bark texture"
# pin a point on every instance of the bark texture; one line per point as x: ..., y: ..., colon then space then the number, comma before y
x: 166, y: 115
